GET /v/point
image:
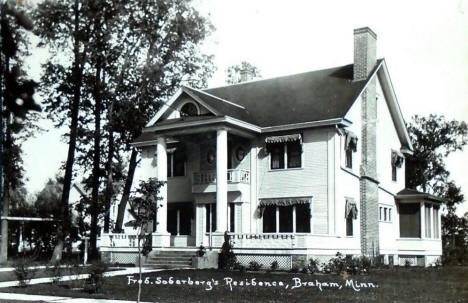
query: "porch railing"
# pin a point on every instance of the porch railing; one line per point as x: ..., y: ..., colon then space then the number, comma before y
x: 233, y: 176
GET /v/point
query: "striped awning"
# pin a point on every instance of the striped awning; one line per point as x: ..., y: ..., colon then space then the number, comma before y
x: 282, y: 139
x: 284, y: 201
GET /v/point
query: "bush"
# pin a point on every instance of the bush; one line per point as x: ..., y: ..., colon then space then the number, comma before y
x: 201, y: 251
x: 227, y: 258
x: 313, y: 266
x: 274, y: 265
x: 254, y: 266
x: 95, y: 280
x: 23, y: 273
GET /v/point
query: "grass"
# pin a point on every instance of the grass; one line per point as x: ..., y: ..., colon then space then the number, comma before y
x: 446, y: 284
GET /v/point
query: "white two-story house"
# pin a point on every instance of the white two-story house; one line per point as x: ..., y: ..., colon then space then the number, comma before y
x: 296, y: 167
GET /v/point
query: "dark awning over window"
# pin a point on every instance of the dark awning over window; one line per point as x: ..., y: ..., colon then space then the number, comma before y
x: 284, y: 201
x: 351, y: 140
x: 351, y: 208
x: 282, y: 139
x: 397, y: 158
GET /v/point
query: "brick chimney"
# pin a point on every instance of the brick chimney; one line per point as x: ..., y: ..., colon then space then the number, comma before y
x: 365, y: 41
x: 365, y: 52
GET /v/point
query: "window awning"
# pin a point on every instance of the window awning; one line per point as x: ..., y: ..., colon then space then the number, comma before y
x: 284, y: 201
x: 282, y: 139
x: 397, y: 158
x: 351, y: 208
x: 351, y: 140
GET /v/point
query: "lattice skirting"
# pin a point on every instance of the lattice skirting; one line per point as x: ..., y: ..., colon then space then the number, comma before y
x: 122, y: 257
x: 412, y: 260
x: 284, y: 261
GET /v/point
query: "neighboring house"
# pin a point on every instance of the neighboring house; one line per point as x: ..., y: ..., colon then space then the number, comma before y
x: 293, y: 167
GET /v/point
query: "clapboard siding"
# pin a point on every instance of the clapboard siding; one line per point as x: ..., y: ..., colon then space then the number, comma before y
x: 310, y: 180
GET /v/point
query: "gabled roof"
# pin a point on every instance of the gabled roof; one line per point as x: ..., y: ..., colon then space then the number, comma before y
x: 291, y: 101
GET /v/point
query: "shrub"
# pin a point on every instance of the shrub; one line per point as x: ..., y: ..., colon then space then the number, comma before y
x: 95, y: 280
x: 227, y: 258
x: 274, y: 265
x: 254, y: 266
x: 201, y: 251
x: 23, y: 273
x: 313, y: 266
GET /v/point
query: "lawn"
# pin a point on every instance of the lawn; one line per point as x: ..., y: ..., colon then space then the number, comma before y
x: 446, y: 284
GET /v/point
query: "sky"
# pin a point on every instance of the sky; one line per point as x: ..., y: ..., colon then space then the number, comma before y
x: 425, y: 45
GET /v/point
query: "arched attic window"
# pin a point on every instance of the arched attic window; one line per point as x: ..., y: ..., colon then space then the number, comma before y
x: 189, y: 109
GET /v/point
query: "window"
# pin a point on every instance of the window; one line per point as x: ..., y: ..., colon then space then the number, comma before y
x: 427, y: 220
x: 349, y: 226
x: 210, y: 217
x: 350, y: 147
x: 410, y: 220
x: 349, y: 158
x: 350, y: 216
x: 176, y: 163
x: 385, y: 214
x: 289, y: 153
x: 397, y: 162
x: 189, y: 109
x: 231, y: 217
x: 286, y: 219
x: 436, y: 222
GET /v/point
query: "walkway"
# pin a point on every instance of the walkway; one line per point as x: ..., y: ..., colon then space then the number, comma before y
x: 40, y: 298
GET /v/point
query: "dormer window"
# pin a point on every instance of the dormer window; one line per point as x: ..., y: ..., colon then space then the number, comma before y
x: 189, y: 109
x: 397, y: 162
x: 350, y: 147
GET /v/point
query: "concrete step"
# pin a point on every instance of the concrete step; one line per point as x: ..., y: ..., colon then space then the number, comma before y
x: 169, y: 262
x: 168, y: 266
x: 170, y: 258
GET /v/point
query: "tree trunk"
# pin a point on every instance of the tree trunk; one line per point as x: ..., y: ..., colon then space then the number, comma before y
x: 126, y: 192
x: 96, y: 165
x: 62, y: 229
x: 109, y: 188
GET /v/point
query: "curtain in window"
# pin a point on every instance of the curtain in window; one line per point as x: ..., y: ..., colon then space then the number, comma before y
x: 351, y: 140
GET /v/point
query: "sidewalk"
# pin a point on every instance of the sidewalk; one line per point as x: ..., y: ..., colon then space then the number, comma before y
x: 40, y: 298
x: 131, y: 270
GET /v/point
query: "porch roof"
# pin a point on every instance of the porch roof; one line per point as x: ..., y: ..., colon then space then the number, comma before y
x: 412, y: 194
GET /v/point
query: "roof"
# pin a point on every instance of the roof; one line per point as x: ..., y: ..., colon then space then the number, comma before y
x: 408, y: 193
x: 311, y: 96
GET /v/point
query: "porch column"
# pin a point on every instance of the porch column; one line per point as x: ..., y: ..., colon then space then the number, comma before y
x: 161, y: 215
x: 221, y: 180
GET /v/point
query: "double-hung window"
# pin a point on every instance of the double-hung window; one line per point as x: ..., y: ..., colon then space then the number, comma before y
x: 350, y: 147
x: 385, y: 214
x: 285, y: 151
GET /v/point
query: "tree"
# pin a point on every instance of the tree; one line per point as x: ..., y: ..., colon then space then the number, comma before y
x: 162, y: 52
x: 16, y: 104
x: 433, y: 139
x: 241, y: 73
x: 143, y: 207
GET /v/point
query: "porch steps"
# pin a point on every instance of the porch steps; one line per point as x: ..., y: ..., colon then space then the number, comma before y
x: 170, y: 259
